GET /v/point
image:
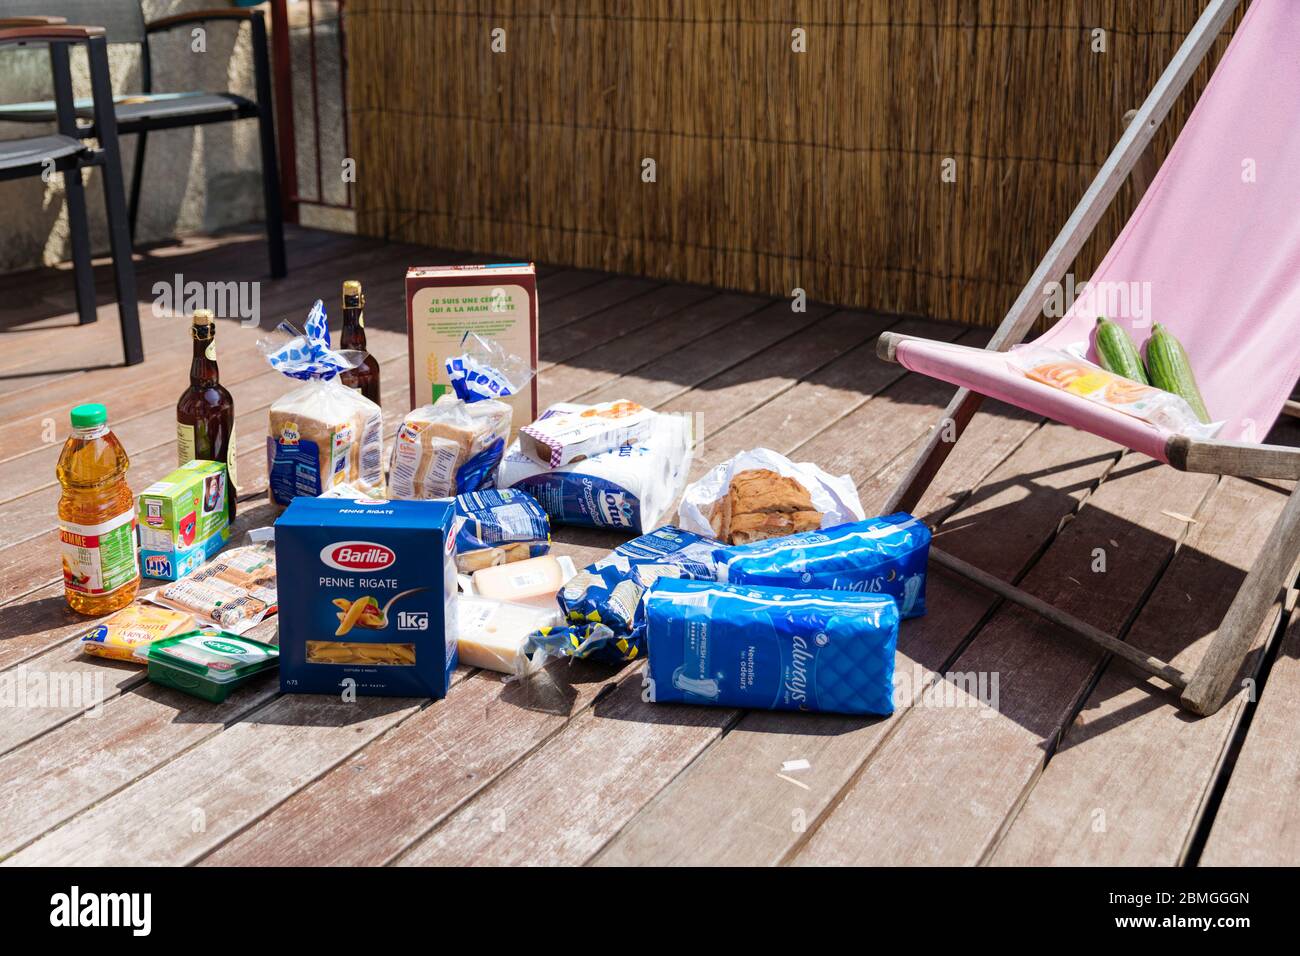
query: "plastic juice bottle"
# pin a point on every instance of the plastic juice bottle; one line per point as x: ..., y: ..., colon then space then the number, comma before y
x: 101, y: 572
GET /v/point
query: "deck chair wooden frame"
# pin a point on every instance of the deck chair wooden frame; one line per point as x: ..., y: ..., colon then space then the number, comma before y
x: 1208, y: 687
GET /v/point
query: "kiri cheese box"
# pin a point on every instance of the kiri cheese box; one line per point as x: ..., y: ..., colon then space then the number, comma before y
x: 495, y: 302
x: 183, y: 520
x: 367, y: 594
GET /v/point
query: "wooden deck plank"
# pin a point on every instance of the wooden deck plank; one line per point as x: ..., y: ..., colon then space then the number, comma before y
x: 1258, y: 823
x: 767, y: 812
x: 1128, y: 782
x: 938, y: 790
x: 153, y: 383
x: 602, y: 363
x: 709, y: 356
x: 368, y: 809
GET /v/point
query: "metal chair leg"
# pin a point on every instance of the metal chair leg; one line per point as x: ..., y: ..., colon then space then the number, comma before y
x: 83, y: 269
x: 119, y: 234
x: 137, y: 175
x: 270, y: 167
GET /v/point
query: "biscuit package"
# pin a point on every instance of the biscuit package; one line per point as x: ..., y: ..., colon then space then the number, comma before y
x: 761, y: 494
x: 322, y: 434
x: 233, y: 591
x: 448, y: 448
x: 772, y: 648
x: 630, y: 488
x: 134, y: 626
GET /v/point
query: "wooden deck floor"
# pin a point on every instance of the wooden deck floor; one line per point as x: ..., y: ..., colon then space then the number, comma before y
x: 1079, y: 762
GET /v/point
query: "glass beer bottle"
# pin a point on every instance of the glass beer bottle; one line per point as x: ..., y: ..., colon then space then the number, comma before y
x: 205, y: 414
x: 365, y: 377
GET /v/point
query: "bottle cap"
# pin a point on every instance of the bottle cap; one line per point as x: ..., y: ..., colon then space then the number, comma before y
x: 351, y: 287
x: 87, y: 416
x: 202, y: 317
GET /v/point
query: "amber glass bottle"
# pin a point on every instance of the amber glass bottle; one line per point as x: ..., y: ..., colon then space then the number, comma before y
x: 205, y: 414
x: 365, y: 377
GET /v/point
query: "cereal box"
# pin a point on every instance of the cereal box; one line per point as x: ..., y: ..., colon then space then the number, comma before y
x: 444, y: 304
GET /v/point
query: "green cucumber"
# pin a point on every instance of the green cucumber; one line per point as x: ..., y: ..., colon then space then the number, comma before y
x: 1170, y: 369
x: 1116, y: 351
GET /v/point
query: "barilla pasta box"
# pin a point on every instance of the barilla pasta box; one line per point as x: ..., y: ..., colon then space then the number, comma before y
x: 444, y: 304
x: 367, y: 596
x: 183, y: 520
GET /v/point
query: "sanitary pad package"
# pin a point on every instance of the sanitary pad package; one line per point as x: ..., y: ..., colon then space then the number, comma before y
x: 631, y: 487
x: 498, y: 527
x: 770, y: 647
x: 600, y: 602
x: 886, y: 555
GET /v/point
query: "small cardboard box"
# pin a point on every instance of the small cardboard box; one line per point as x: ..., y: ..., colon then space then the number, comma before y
x: 497, y: 302
x: 183, y: 520
x: 367, y: 597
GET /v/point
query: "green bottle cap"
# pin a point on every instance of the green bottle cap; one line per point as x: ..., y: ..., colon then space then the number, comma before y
x: 87, y: 416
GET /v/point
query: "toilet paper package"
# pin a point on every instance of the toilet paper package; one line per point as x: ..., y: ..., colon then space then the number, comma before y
x: 771, y: 648
x: 885, y: 555
x: 629, y: 488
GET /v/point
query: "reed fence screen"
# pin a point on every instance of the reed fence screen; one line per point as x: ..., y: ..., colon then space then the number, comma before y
x: 918, y: 157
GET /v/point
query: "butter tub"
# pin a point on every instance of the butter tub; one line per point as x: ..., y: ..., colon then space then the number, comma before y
x: 770, y: 648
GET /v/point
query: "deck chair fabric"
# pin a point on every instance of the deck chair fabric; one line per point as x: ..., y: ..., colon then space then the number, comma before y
x: 1212, y: 253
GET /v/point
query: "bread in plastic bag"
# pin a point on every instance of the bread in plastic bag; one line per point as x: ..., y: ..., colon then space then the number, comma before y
x: 761, y: 494
x: 448, y: 448
x: 323, y: 433
x: 485, y: 370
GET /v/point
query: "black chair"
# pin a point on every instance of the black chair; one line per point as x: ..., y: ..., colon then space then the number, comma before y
x: 68, y: 153
x: 145, y: 111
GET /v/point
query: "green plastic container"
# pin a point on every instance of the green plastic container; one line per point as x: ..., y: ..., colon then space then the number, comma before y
x: 207, y: 663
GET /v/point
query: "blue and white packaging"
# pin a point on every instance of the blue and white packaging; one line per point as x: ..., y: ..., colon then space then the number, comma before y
x: 885, y: 555
x: 630, y: 488
x: 172, y: 564
x: 395, y: 559
x: 600, y: 603
x: 770, y: 648
x: 499, y: 526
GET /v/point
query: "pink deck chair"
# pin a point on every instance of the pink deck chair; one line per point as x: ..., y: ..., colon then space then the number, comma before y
x: 1212, y: 252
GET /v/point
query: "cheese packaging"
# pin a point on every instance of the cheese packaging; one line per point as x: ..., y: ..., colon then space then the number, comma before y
x: 493, y: 634
x: 631, y: 488
x: 208, y: 662
x: 772, y: 648
x: 233, y: 591
x: 134, y: 626
x: 559, y: 439
x: 448, y: 448
x: 886, y: 555
x: 369, y: 597
x: 447, y: 306
x: 499, y: 527
x: 536, y: 581
x: 183, y: 520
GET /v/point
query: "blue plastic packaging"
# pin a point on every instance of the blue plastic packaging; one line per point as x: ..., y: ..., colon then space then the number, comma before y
x: 502, y: 520
x: 885, y: 555
x: 600, y: 602
x: 770, y: 648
